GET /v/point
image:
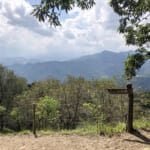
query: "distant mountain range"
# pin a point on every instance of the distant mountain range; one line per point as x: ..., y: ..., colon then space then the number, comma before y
x: 104, y: 64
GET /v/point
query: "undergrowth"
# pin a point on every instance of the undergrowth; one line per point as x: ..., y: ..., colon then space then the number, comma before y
x: 87, y: 129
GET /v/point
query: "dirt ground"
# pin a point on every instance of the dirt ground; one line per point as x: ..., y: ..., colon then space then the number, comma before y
x: 125, y: 141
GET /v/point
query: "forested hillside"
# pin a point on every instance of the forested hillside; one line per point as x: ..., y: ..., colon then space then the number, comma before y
x: 105, y: 64
x: 68, y: 105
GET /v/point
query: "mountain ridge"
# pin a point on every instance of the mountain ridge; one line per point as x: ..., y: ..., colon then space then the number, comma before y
x: 98, y: 65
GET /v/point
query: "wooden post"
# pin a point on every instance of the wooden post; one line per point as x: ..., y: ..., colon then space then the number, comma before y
x: 130, y: 108
x: 34, y: 124
x: 128, y: 91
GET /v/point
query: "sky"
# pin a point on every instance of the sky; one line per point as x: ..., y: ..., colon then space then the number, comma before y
x: 82, y: 32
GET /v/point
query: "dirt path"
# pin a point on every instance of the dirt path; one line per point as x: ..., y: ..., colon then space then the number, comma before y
x: 74, y: 142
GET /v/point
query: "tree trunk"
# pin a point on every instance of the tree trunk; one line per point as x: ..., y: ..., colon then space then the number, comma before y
x: 2, y: 122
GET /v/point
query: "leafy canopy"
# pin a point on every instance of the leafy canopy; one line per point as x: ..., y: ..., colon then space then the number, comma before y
x: 135, y: 25
x: 2, y: 109
x: 48, y: 108
x: 51, y: 9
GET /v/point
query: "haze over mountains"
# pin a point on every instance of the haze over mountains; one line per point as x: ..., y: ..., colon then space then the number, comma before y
x: 8, y: 61
x: 105, y: 64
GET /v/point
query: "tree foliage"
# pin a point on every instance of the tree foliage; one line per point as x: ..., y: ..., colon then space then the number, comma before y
x: 51, y: 10
x: 134, y: 24
x: 47, y: 108
x: 60, y: 105
x: 10, y: 86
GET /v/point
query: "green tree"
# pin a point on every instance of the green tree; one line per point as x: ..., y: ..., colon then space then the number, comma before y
x: 16, y: 117
x: 73, y: 95
x: 2, y: 109
x: 95, y: 111
x: 10, y: 86
x: 47, y: 110
x: 135, y: 25
x: 51, y: 9
x: 21, y: 113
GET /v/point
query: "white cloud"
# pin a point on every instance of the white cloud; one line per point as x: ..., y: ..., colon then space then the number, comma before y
x: 82, y: 32
x: 18, y: 14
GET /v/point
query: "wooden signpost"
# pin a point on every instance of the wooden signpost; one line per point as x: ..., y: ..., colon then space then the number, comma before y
x: 118, y: 91
x: 34, y: 123
x: 128, y: 91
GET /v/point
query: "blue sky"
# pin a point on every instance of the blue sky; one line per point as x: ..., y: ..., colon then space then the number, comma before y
x: 33, y: 2
x: 81, y: 33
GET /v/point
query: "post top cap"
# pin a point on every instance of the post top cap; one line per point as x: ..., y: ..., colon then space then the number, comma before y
x: 129, y: 85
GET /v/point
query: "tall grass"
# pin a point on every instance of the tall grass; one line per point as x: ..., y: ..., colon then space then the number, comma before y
x: 141, y: 123
x: 89, y: 129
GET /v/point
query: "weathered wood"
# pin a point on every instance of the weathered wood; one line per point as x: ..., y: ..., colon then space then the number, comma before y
x: 130, y: 108
x: 128, y: 91
x: 34, y: 125
x: 118, y: 91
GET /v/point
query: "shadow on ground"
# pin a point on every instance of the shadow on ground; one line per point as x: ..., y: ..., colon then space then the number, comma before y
x: 146, y: 130
x: 143, y: 138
